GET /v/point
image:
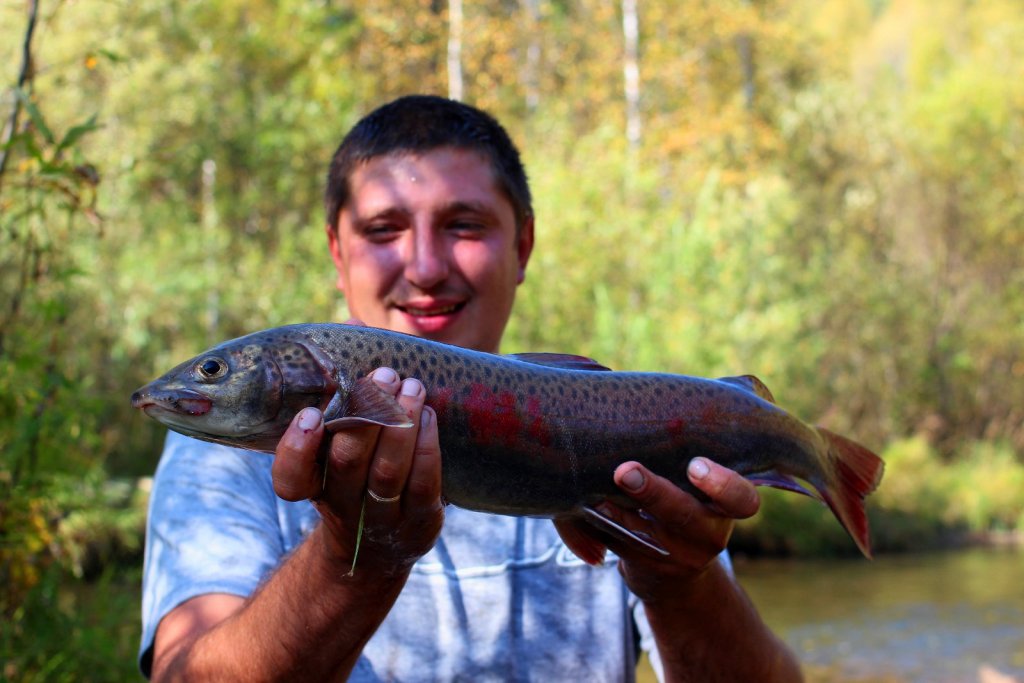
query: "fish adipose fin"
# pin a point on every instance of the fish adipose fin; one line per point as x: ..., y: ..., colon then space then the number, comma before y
x: 562, y: 361
x: 369, y: 404
x: 751, y: 384
x: 605, y: 523
x: 858, y: 472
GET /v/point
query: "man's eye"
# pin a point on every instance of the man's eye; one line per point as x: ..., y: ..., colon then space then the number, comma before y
x: 381, y: 233
x: 467, y: 228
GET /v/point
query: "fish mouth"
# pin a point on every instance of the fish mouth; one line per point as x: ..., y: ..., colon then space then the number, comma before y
x: 154, y: 402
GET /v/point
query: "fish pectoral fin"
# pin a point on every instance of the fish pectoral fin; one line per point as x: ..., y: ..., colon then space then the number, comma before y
x: 564, y: 361
x: 369, y: 404
x: 609, y: 525
x: 751, y: 384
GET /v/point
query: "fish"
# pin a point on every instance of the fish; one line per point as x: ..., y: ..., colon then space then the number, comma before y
x: 528, y: 434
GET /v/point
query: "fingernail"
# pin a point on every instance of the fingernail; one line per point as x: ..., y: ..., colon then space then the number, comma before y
x: 698, y: 469
x: 411, y: 387
x: 309, y: 419
x: 425, y: 417
x: 385, y: 375
x: 633, y: 480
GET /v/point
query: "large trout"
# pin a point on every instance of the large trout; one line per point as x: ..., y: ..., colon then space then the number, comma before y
x: 527, y: 434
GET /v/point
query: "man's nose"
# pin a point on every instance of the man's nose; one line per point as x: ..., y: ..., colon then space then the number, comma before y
x: 427, y: 265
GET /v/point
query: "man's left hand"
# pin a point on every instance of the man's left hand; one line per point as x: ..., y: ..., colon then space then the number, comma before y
x: 693, y: 532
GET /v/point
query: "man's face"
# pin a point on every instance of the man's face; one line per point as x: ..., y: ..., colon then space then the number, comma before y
x: 427, y: 245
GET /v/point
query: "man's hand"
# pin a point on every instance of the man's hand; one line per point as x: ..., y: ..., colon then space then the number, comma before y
x: 704, y: 625
x: 396, y: 470
x: 694, y: 533
x: 310, y: 621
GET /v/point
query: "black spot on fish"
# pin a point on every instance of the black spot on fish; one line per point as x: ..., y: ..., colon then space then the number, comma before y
x: 379, y: 344
x: 346, y: 355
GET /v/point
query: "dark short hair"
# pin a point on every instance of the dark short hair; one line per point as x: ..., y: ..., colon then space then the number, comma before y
x: 421, y: 123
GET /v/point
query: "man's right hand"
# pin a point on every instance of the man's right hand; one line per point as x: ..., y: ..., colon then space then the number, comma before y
x: 289, y: 629
x: 400, y: 466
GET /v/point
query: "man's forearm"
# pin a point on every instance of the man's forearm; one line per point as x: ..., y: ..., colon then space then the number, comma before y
x: 307, y: 622
x: 711, y: 632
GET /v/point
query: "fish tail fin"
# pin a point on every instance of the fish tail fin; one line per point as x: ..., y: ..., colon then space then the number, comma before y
x: 858, y: 472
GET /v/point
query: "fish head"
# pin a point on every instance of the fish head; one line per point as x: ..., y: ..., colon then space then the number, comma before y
x: 242, y: 393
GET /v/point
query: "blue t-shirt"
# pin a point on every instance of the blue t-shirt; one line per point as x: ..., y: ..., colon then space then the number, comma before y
x: 497, y: 598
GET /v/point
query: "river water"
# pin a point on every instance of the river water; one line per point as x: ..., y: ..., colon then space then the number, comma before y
x: 933, y: 618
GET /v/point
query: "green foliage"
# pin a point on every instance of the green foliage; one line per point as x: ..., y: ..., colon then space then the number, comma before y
x: 923, y: 503
x: 65, y: 632
x: 836, y: 210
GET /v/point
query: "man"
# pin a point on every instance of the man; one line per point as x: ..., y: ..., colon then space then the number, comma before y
x: 430, y: 227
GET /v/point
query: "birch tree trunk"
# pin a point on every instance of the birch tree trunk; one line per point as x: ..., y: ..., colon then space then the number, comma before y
x: 209, y: 219
x: 455, y: 89
x: 532, y: 69
x: 631, y: 71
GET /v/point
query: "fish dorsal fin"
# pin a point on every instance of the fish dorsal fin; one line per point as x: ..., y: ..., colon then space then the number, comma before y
x: 565, y: 361
x: 369, y: 404
x: 751, y: 384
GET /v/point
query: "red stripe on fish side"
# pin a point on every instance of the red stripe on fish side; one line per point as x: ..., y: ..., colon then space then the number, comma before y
x: 538, y: 429
x: 493, y: 416
x: 439, y: 399
x: 676, y: 427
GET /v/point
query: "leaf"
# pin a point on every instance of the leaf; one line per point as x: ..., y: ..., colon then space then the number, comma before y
x: 76, y: 132
x: 114, y: 57
x: 35, y: 115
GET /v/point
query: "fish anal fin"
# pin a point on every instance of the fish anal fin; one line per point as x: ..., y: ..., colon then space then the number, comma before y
x: 777, y: 480
x: 369, y: 404
x: 612, y: 527
x: 564, y: 361
x: 751, y: 384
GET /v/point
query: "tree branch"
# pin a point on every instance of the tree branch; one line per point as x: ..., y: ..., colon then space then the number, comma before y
x: 23, y: 77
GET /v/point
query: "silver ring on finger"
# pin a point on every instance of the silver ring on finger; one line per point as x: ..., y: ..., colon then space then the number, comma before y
x: 382, y: 499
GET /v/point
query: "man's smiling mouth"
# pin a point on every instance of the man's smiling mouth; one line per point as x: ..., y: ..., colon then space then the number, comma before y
x: 432, y: 311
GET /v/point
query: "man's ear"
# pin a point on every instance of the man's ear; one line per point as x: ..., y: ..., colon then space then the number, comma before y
x: 334, y: 245
x: 524, y: 247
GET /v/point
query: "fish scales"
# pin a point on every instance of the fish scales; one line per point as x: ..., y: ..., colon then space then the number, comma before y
x: 535, y: 434
x: 537, y: 440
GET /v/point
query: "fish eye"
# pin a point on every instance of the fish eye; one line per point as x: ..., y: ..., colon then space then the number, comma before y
x: 211, y: 368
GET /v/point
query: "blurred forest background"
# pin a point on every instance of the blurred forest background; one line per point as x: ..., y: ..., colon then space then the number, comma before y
x: 828, y: 194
